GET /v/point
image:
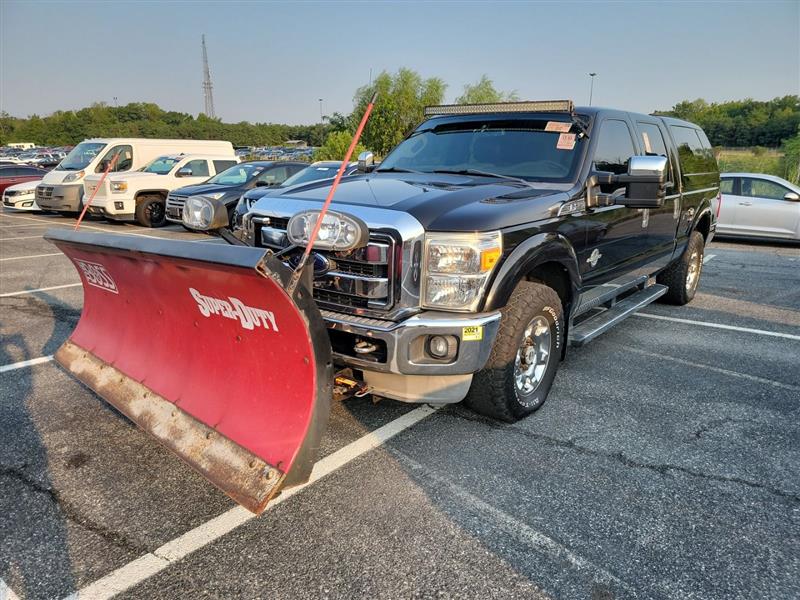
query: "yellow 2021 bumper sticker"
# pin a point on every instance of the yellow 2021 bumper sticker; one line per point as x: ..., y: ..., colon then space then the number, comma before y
x: 473, y: 333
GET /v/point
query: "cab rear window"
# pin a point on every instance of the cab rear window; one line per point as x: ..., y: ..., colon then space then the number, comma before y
x: 695, y: 158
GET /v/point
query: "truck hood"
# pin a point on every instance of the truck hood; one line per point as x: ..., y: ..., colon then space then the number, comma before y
x: 206, y: 188
x: 125, y: 176
x: 441, y: 202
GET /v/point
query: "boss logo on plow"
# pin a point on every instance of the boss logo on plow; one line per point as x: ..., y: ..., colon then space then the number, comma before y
x: 97, y: 275
x: 249, y: 316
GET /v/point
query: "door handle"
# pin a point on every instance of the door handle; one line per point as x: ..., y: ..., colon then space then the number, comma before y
x: 745, y: 204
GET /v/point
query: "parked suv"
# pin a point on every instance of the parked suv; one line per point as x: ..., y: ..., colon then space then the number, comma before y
x: 141, y: 195
x: 322, y: 169
x: 229, y: 185
x: 491, y: 238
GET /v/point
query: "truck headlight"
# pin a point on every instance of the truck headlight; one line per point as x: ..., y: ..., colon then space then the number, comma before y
x: 74, y: 176
x: 204, y: 214
x: 457, y: 267
x: 338, y: 231
x: 119, y: 186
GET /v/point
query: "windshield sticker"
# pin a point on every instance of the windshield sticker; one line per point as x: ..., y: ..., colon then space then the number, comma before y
x: 559, y: 126
x: 250, y: 317
x: 646, y: 140
x: 566, y: 141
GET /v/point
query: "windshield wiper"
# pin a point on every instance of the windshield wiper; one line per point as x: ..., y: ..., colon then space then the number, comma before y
x: 481, y: 174
x: 396, y: 170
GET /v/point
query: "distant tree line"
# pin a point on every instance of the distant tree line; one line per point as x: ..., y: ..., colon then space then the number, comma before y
x: 144, y: 119
x: 743, y: 123
x: 402, y: 97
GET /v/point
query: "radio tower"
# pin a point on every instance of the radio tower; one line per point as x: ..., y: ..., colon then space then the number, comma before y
x: 209, y: 97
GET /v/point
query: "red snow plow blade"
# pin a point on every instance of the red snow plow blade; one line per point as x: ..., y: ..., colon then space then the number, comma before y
x: 201, y: 346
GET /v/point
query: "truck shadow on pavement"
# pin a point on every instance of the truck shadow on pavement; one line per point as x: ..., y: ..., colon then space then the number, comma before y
x: 44, y: 568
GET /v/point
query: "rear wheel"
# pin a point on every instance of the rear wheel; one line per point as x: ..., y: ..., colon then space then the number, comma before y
x: 151, y: 211
x: 520, y: 370
x: 683, y: 276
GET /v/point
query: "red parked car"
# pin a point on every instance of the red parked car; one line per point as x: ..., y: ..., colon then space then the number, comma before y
x: 14, y: 174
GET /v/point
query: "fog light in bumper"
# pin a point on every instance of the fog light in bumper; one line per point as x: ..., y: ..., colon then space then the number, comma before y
x: 442, y: 347
x: 119, y: 205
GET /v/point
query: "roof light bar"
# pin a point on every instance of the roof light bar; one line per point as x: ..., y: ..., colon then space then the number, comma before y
x: 501, y: 107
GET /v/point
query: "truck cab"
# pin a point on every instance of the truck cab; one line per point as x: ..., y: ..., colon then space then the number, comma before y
x: 494, y: 236
x: 141, y: 195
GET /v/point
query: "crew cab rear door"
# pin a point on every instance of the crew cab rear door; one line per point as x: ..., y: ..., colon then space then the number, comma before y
x: 662, y: 223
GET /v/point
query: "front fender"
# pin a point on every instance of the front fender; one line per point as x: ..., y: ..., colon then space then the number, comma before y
x: 536, y: 250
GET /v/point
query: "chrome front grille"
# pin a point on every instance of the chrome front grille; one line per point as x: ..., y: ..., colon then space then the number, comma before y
x: 175, y: 205
x: 44, y: 192
x: 358, y: 279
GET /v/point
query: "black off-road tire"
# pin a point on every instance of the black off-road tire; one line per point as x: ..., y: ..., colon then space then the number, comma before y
x: 494, y: 391
x: 151, y: 211
x: 676, y: 276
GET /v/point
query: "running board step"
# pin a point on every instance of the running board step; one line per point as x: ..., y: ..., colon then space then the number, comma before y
x: 586, y: 331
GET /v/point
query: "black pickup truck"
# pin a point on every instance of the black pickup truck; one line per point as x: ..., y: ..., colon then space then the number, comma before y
x: 493, y: 237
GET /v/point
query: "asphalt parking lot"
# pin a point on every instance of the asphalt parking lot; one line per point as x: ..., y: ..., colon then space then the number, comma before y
x: 665, y: 464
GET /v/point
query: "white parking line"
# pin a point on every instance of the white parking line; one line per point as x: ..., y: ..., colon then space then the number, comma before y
x: 32, y: 256
x: 44, y: 289
x: 778, y: 334
x: 25, y: 237
x: 26, y: 363
x: 18, y: 226
x: 152, y: 563
x: 708, y: 257
x: 6, y: 593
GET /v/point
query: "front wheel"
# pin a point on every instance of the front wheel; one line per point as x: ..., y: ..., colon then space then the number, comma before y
x: 520, y: 370
x: 151, y: 211
x: 683, y: 276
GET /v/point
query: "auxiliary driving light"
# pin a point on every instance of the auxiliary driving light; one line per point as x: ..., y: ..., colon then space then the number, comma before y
x: 338, y: 231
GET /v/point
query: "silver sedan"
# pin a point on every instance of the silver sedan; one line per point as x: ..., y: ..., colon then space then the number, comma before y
x: 759, y: 206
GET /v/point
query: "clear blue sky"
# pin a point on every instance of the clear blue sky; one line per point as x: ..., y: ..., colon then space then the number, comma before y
x: 273, y: 61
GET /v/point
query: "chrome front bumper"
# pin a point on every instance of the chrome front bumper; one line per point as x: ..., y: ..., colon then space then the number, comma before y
x: 475, y: 335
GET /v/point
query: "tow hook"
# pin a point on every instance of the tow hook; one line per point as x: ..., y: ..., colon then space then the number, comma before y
x: 365, y: 347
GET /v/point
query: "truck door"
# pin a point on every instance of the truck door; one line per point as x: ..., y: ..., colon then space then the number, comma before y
x: 616, y: 237
x: 662, y: 223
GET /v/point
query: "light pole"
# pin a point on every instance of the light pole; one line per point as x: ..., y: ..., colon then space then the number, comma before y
x: 591, y: 86
x: 320, y: 110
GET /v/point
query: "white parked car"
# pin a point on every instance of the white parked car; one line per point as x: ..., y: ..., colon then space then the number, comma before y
x: 141, y: 195
x: 755, y: 205
x: 21, y: 196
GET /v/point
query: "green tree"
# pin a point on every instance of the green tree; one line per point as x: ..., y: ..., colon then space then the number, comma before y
x: 484, y: 92
x: 336, y: 145
x: 402, y: 98
x: 742, y: 122
x: 790, y: 163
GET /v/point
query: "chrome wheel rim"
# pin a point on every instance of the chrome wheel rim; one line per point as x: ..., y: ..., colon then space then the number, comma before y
x: 693, y: 275
x: 533, y: 356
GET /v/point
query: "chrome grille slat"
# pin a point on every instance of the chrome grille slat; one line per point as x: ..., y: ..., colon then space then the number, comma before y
x: 360, y: 279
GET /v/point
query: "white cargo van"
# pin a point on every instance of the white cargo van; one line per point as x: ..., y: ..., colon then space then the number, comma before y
x: 62, y: 188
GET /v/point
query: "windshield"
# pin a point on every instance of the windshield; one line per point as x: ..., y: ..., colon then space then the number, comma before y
x: 80, y: 156
x: 237, y: 174
x: 161, y: 166
x: 521, y: 148
x: 311, y: 173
